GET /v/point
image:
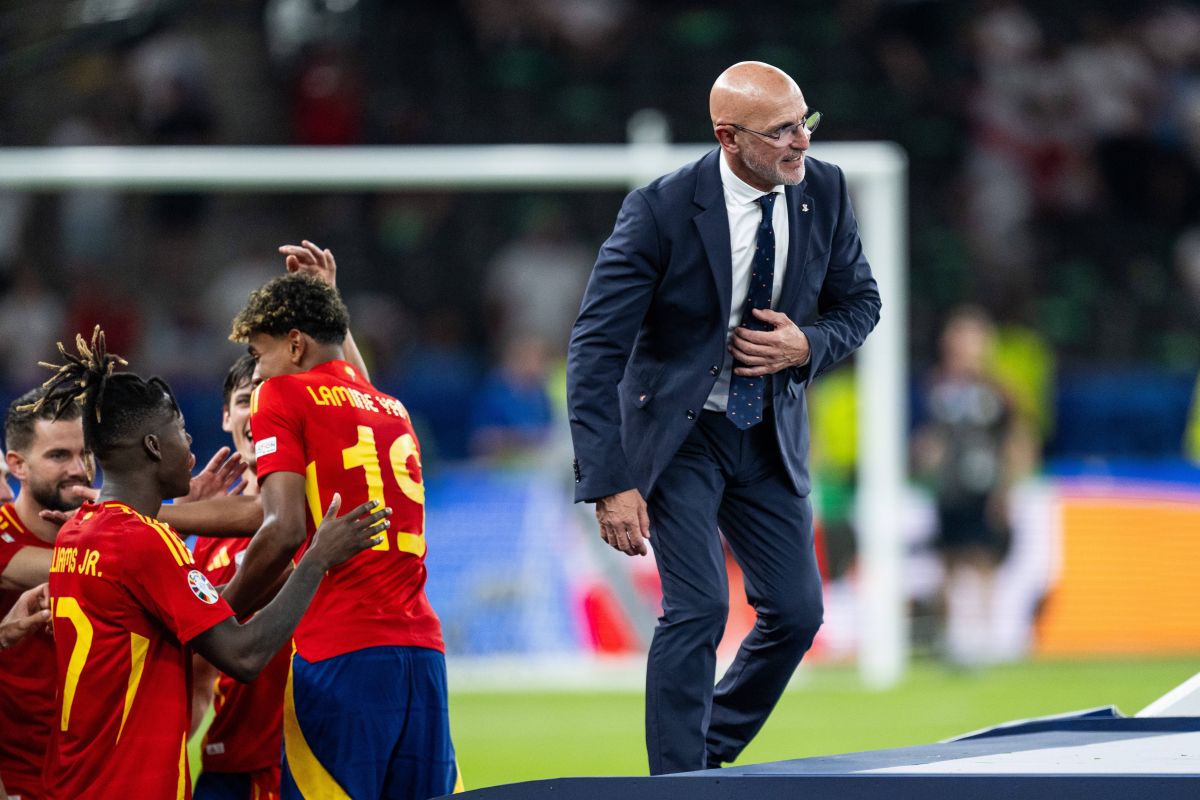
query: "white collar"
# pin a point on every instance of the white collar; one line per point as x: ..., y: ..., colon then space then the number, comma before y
x: 740, y: 191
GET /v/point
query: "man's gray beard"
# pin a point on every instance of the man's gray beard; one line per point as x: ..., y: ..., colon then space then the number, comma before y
x: 50, y: 497
x: 769, y: 172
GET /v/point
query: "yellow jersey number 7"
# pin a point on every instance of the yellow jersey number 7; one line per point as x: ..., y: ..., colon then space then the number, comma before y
x: 68, y: 608
x: 364, y: 454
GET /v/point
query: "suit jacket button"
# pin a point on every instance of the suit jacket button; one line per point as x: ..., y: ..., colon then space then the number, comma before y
x: 642, y: 397
x: 714, y: 370
x: 691, y: 414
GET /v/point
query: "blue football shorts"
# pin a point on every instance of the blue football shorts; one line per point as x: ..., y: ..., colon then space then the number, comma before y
x: 371, y: 723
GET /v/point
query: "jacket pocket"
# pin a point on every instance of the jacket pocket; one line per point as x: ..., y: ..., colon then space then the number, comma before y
x: 642, y: 384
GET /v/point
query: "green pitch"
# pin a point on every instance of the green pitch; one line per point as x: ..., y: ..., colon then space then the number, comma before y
x: 503, y: 737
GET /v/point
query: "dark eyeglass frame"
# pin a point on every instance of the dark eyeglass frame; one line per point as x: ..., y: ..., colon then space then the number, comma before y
x: 810, y: 122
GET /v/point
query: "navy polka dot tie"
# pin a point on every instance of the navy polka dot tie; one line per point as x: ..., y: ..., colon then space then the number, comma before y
x: 745, y: 406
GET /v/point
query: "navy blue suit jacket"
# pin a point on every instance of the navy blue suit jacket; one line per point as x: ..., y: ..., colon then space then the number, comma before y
x: 651, y: 334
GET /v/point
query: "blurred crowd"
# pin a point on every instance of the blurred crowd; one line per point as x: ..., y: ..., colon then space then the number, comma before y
x: 1054, y: 156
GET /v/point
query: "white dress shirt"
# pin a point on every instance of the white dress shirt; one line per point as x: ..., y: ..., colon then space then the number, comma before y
x: 745, y: 214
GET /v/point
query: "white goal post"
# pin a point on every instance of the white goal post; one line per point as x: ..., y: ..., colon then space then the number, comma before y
x: 877, y: 173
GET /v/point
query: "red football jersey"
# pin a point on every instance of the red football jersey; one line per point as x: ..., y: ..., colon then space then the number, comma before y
x: 344, y: 435
x: 247, y: 725
x: 26, y: 682
x: 126, y: 597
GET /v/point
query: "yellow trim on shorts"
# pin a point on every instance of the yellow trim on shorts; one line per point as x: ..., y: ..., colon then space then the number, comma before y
x: 459, y: 788
x: 181, y: 789
x: 310, y: 775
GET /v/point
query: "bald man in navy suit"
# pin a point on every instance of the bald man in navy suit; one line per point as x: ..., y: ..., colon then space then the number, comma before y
x: 725, y: 288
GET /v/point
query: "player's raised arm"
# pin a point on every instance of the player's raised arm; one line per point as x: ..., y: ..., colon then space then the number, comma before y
x: 281, y: 534
x: 217, y: 515
x: 28, y: 567
x: 222, y: 517
x: 308, y: 259
x: 241, y: 651
x: 208, y: 509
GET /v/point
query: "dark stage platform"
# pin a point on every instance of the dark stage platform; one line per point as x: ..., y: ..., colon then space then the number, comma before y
x: 1092, y: 755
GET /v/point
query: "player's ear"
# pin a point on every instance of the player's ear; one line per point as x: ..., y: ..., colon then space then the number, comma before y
x: 296, y: 346
x: 151, y: 444
x: 225, y: 426
x: 16, y: 465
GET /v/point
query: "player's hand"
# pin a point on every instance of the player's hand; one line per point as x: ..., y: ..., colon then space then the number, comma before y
x: 341, y: 538
x: 624, y: 521
x: 768, y: 352
x: 308, y: 259
x: 86, y: 493
x: 31, y: 613
x: 218, y: 476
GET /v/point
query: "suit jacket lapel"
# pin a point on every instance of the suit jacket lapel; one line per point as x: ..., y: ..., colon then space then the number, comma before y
x: 713, y: 226
x: 800, y: 216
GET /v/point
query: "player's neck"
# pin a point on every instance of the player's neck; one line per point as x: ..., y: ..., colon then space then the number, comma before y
x: 29, y: 511
x: 146, y: 500
x: 322, y: 354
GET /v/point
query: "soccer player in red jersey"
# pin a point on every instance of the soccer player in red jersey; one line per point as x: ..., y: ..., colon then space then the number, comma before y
x: 365, y: 713
x: 51, y: 463
x: 242, y: 747
x: 50, y: 460
x: 48, y: 457
x: 30, y: 614
x: 127, y: 599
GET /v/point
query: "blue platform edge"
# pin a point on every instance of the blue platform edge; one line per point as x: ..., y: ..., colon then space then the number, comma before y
x: 1040, y: 723
x: 845, y: 776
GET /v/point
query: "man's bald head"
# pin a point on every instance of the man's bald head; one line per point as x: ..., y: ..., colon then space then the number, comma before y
x: 757, y: 114
x: 749, y: 91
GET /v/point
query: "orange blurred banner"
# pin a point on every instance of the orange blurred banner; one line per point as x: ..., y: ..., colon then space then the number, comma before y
x: 1129, y: 581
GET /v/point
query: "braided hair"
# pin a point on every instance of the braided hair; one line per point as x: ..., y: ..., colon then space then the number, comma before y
x: 116, y: 405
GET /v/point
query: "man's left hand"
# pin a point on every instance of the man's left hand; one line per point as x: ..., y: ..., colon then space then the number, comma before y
x: 218, y: 476
x: 85, y: 493
x: 768, y: 352
x: 308, y: 259
x: 30, y: 613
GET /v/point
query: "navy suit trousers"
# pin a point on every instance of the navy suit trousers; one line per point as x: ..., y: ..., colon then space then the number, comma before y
x: 735, y: 480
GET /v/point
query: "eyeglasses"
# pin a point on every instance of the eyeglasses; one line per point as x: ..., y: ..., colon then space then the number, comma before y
x: 787, y: 133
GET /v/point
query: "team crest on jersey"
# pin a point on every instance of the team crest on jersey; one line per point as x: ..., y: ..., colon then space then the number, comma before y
x: 202, y: 587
